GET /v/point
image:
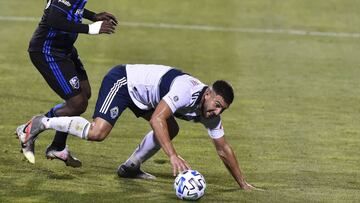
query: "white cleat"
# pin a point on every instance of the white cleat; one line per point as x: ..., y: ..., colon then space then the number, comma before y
x: 29, y: 152
x: 28, y: 149
x: 63, y: 155
x: 31, y: 129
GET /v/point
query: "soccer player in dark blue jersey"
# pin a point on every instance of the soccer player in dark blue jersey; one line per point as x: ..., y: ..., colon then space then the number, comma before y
x: 52, y: 52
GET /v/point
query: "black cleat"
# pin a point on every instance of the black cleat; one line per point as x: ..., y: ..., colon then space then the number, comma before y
x: 127, y: 172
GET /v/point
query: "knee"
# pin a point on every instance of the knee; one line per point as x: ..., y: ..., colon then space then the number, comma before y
x: 79, y: 106
x: 97, y: 135
x: 99, y: 130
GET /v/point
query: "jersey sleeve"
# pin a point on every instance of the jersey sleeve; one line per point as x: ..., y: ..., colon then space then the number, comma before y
x: 59, y: 12
x: 178, y: 96
x: 89, y: 15
x: 214, y: 127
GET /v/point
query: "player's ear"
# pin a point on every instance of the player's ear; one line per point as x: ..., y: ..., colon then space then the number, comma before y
x: 207, y: 92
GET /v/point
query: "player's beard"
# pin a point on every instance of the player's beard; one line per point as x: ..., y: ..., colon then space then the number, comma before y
x: 204, y: 111
x: 203, y: 108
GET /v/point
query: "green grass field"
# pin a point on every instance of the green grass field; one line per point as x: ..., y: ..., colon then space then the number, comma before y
x: 294, y: 124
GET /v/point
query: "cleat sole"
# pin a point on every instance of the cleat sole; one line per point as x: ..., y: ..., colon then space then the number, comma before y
x: 30, y: 157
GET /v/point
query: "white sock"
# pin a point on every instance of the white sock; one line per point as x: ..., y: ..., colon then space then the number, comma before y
x: 147, y: 148
x: 75, y: 125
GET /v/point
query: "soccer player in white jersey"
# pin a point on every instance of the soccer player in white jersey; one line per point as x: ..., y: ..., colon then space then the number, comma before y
x: 158, y: 94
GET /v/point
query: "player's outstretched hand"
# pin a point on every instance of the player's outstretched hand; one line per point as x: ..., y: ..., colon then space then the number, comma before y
x: 178, y: 164
x: 107, y: 27
x: 105, y: 16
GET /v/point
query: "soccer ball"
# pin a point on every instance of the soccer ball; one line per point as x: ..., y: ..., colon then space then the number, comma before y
x: 190, y: 185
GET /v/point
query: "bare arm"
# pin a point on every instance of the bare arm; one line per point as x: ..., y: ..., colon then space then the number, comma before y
x: 228, y: 157
x: 159, y: 125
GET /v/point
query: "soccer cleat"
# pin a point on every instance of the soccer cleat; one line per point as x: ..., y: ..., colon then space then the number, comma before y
x: 31, y: 129
x: 63, y: 155
x: 127, y: 172
x: 28, y: 149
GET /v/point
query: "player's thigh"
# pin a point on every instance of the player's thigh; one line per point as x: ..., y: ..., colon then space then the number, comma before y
x: 81, y: 73
x: 59, y: 73
x: 113, y: 97
x: 85, y: 89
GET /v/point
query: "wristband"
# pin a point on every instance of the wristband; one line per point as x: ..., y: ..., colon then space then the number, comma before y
x: 94, y: 28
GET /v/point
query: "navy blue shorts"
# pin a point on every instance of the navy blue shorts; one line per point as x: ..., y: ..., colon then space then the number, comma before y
x: 63, y: 73
x: 114, y: 97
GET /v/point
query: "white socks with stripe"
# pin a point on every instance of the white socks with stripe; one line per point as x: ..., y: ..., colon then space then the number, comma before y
x: 75, y: 125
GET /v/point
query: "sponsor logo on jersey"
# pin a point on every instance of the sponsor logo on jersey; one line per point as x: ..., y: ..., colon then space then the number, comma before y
x: 176, y: 98
x: 68, y: 4
x: 114, y: 112
x: 74, y: 82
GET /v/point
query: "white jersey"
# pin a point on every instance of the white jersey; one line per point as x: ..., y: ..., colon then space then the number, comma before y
x: 183, y: 96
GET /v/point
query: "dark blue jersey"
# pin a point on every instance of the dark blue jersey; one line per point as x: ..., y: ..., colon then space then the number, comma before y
x: 59, y: 26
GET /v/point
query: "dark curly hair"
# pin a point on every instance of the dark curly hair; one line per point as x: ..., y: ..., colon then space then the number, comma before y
x: 224, y: 89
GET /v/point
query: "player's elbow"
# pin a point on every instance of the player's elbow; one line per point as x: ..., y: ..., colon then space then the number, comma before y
x: 154, y: 121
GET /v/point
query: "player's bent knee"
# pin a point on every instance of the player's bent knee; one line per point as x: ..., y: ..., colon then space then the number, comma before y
x: 82, y: 108
x: 99, y: 130
x: 97, y: 136
x: 78, y: 106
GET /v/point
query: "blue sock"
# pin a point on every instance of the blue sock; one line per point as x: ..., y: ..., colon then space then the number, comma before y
x: 52, y: 113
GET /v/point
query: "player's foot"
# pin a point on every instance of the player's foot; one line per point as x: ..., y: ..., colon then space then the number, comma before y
x: 127, y: 172
x: 28, y: 149
x: 31, y: 129
x: 63, y: 155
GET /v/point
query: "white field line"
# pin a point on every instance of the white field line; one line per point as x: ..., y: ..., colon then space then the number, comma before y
x: 211, y: 28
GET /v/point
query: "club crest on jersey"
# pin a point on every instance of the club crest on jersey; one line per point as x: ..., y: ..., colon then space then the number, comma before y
x: 79, y: 12
x: 68, y: 4
x: 74, y: 82
x: 114, y: 112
